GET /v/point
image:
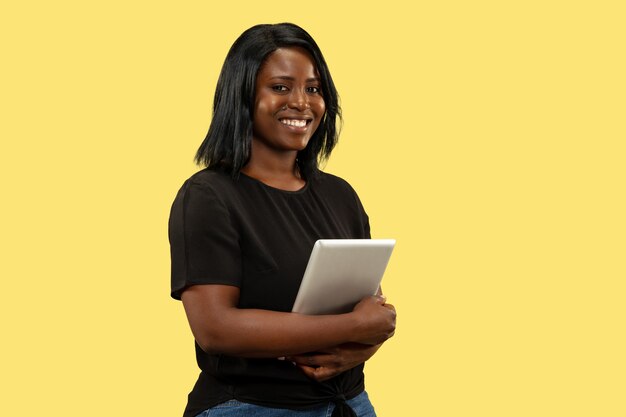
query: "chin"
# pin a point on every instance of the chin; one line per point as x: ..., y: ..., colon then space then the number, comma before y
x: 300, y: 145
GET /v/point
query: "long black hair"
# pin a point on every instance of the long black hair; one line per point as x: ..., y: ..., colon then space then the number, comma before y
x: 227, y: 144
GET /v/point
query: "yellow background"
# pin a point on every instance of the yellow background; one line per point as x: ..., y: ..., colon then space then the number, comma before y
x: 487, y: 137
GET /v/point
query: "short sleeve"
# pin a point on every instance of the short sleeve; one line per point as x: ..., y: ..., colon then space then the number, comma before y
x: 363, y: 218
x: 204, y: 243
x: 361, y: 215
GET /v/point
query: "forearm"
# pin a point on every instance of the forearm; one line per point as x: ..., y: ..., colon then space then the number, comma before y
x: 328, y: 363
x: 263, y: 333
x: 219, y: 326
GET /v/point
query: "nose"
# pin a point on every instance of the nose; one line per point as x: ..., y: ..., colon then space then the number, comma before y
x: 298, y: 99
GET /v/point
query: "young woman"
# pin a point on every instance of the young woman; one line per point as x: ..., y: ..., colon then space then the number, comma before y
x: 241, y: 232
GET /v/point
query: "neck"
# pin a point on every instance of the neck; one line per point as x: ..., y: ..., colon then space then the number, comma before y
x: 276, y: 170
x: 270, y: 163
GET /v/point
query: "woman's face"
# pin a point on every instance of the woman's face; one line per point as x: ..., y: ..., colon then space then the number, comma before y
x: 288, y: 104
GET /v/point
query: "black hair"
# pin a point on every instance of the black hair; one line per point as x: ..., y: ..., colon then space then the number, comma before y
x: 227, y: 144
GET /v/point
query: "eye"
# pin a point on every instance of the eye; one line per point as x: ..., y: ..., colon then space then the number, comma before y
x: 280, y: 88
x: 313, y: 90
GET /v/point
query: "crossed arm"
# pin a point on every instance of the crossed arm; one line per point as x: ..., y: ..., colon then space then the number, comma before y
x: 339, y: 342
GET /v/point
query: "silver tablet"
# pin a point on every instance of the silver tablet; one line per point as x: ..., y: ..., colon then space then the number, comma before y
x: 340, y: 273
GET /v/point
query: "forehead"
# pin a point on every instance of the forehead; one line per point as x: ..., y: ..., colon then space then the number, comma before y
x: 289, y: 61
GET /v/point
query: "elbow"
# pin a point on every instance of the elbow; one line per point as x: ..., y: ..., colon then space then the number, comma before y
x: 212, y: 312
x: 206, y: 346
x: 212, y: 343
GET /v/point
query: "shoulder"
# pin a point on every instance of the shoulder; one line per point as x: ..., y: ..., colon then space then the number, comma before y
x: 206, y: 188
x: 214, y: 183
x: 211, y: 179
x: 346, y: 200
x: 332, y: 181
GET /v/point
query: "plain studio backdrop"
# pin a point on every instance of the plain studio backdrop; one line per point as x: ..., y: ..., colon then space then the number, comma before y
x: 487, y: 137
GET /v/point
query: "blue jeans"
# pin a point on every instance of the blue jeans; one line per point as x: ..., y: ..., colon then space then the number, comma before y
x: 360, y: 404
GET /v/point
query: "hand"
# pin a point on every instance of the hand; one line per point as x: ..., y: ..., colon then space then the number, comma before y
x: 377, y: 320
x: 329, y: 363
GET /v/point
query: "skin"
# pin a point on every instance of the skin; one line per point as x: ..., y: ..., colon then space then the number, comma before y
x: 287, y: 87
x: 327, y: 363
x: 220, y: 327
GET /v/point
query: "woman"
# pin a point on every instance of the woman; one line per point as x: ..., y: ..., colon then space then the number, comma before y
x: 241, y: 232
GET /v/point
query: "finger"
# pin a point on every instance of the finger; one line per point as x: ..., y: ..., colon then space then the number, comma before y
x: 319, y: 374
x: 323, y: 374
x: 308, y: 360
x: 380, y: 290
x: 307, y: 370
x: 300, y: 360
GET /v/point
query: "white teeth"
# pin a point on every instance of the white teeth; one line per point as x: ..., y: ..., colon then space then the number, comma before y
x: 293, y: 122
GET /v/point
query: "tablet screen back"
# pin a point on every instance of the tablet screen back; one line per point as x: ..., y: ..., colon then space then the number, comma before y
x: 340, y: 273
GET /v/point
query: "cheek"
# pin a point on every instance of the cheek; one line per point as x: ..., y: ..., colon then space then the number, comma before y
x: 265, y: 105
x: 319, y: 108
x: 321, y: 112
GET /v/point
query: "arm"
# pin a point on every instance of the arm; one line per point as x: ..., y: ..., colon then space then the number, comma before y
x: 328, y: 363
x: 220, y: 327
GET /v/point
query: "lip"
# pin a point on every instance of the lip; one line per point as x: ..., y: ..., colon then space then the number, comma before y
x: 294, y: 115
x: 297, y: 129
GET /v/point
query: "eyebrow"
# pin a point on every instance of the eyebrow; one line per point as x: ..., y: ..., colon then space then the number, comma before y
x: 288, y: 78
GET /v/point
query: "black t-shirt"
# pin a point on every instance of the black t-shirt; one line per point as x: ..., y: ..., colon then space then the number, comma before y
x: 244, y: 233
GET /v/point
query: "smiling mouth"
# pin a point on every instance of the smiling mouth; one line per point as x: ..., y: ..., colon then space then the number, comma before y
x: 295, y: 122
